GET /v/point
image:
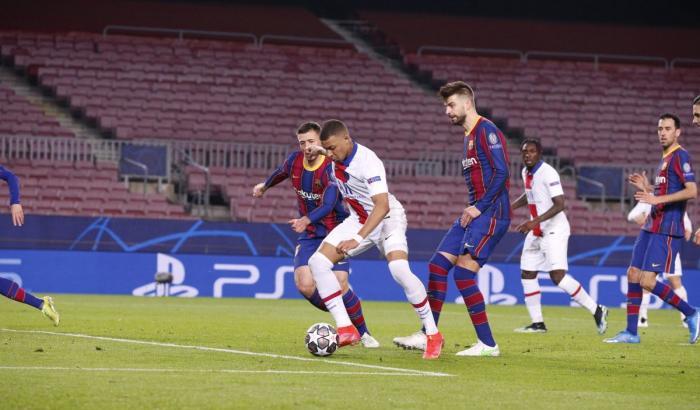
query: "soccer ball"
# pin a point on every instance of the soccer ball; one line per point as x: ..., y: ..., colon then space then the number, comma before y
x: 321, y: 339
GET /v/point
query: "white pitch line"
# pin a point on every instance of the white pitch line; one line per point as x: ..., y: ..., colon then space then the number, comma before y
x: 233, y: 351
x: 234, y: 371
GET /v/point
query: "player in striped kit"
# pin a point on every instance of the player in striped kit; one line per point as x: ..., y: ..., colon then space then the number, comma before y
x: 639, y: 215
x: 376, y: 218
x: 660, y: 239
x: 320, y: 210
x: 546, y: 243
x: 468, y: 244
x: 10, y: 288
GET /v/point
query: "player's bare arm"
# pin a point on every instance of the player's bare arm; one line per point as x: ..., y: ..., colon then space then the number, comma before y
x: 380, y: 210
x: 689, y: 192
x: 17, y: 214
x: 520, y: 202
x: 558, y: 205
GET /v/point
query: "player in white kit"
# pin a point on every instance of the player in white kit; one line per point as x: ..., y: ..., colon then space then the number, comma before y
x: 376, y: 218
x: 546, y: 243
x: 639, y: 214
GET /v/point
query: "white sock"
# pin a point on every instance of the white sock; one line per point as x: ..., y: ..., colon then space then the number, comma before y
x: 533, y: 299
x: 329, y: 288
x: 644, y: 307
x: 415, y: 293
x: 683, y: 294
x: 577, y: 293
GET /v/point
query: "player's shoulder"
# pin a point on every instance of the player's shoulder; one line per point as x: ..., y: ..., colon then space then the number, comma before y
x: 365, y: 154
x: 294, y: 156
x: 683, y: 153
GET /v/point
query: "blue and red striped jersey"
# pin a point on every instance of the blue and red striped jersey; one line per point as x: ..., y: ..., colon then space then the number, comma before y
x: 12, y: 183
x: 674, y: 171
x: 318, y: 197
x: 485, y: 169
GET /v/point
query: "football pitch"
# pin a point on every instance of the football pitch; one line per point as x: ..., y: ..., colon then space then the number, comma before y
x: 132, y: 352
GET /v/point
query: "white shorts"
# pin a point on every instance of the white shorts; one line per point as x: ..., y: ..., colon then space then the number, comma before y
x: 545, y: 253
x: 677, y: 271
x: 389, y: 236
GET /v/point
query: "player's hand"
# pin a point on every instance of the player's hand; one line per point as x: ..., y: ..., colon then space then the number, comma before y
x: 647, y: 198
x: 299, y: 225
x: 687, y: 234
x: 315, y: 149
x: 346, y: 246
x: 639, y: 181
x: 526, y: 226
x: 641, y: 219
x: 259, y: 190
x: 17, y: 214
x: 468, y: 215
x: 696, y: 237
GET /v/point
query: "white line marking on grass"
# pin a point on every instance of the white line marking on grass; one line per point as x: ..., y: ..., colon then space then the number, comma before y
x: 233, y: 351
x: 234, y: 371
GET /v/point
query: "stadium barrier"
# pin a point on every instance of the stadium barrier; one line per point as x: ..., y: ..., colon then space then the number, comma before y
x: 121, y: 256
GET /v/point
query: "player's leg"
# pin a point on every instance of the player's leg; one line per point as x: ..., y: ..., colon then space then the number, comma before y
x: 392, y: 242
x: 481, y: 236
x: 674, y: 279
x: 303, y: 279
x: 12, y: 290
x: 662, y: 256
x: 644, y: 310
x: 353, y: 306
x: 574, y: 289
x: 533, y: 302
x: 439, y: 267
x: 321, y: 264
x: 532, y: 260
x: 305, y: 284
x: 634, y: 291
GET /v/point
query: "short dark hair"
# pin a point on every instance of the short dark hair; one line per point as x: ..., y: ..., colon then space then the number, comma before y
x: 456, y: 87
x: 309, y: 126
x: 696, y: 100
x: 669, y: 116
x: 332, y: 127
x: 534, y: 142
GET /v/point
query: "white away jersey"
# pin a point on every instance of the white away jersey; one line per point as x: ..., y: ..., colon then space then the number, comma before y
x: 541, y: 185
x: 360, y: 177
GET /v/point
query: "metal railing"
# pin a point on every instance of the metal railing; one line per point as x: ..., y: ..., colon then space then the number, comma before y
x: 466, y: 50
x: 690, y: 61
x: 181, y: 33
x: 140, y: 165
x: 525, y: 56
x: 306, y: 40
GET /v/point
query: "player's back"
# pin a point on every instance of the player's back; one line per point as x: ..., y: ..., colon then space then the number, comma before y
x: 485, y: 169
x: 674, y: 171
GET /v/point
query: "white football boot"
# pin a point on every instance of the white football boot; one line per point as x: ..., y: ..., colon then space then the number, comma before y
x: 415, y: 341
x: 369, y: 342
x: 480, y: 349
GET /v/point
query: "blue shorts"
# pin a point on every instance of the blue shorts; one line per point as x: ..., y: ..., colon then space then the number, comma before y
x: 306, y: 247
x: 655, y: 252
x: 478, y: 239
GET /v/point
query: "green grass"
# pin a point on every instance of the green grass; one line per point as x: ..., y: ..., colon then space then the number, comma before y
x: 568, y: 367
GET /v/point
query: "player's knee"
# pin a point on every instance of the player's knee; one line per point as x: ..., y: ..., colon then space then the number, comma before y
x: 401, y: 272
x: 526, y: 274
x: 633, y: 274
x: 557, y: 276
x: 467, y: 262
x: 319, y: 264
x: 648, y: 282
